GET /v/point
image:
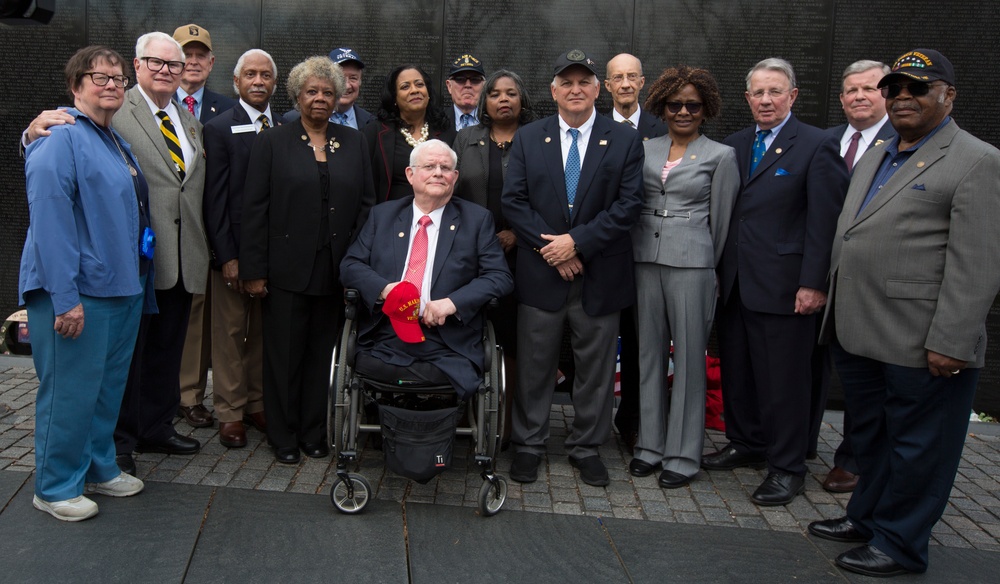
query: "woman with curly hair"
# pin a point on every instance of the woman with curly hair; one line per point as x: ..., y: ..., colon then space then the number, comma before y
x: 409, y: 114
x: 690, y: 187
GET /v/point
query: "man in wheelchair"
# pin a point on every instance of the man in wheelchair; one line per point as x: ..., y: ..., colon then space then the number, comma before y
x: 425, y: 267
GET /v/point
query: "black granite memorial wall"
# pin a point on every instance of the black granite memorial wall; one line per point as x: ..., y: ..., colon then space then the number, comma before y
x: 819, y: 38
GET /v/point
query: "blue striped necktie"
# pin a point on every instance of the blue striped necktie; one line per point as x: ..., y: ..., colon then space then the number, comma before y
x: 572, y: 169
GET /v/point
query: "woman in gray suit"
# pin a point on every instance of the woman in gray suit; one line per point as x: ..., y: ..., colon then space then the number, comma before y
x: 690, y: 188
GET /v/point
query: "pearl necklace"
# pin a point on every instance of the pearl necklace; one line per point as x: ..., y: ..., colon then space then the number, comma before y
x: 424, y: 133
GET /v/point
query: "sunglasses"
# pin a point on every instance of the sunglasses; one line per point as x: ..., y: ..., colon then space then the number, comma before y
x: 693, y: 107
x: 914, y: 88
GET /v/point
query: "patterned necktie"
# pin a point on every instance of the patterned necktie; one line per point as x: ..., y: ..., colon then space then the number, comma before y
x: 173, y: 143
x: 467, y: 120
x: 189, y: 101
x: 572, y: 171
x: 418, y: 254
x: 264, y: 124
x: 339, y: 118
x: 852, y: 151
x: 628, y: 123
x: 758, y: 149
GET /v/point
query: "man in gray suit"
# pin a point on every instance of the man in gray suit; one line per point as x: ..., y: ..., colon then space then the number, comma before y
x: 167, y: 141
x: 914, y: 272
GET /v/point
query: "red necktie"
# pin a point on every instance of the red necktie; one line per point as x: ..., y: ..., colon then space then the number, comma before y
x: 189, y: 100
x: 418, y: 254
x: 852, y: 151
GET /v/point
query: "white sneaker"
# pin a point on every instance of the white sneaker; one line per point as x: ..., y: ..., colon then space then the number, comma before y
x: 123, y: 485
x: 75, y: 509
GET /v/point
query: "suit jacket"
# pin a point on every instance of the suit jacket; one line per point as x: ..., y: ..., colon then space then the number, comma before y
x: 382, y: 139
x: 649, y: 126
x: 698, y: 197
x: 918, y: 269
x: 884, y: 134
x: 175, y: 206
x: 361, y: 115
x: 282, y: 198
x: 213, y: 104
x: 469, y: 267
x: 783, y: 222
x: 607, y: 205
x: 228, y: 156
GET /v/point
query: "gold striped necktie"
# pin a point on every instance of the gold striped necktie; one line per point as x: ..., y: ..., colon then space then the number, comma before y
x: 173, y: 143
x: 264, y: 124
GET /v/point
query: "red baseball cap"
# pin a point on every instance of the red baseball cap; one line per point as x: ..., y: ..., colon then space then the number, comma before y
x: 402, y: 305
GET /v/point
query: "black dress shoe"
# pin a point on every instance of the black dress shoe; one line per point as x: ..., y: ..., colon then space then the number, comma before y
x: 729, y: 458
x: 641, y: 468
x: 870, y: 561
x: 315, y: 449
x: 673, y: 480
x: 592, y: 470
x: 176, y: 444
x: 837, y: 530
x: 287, y: 455
x: 779, y: 489
x: 524, y: 469
x: 126, y: 463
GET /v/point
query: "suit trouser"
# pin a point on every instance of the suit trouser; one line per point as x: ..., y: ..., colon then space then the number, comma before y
x: 678, y: 304
x: 766, y: 381
x: 80, y: 386
x: 822, y: 370
x: 152, y: 393
x: 237, y: 352
x: 301, y: 331
x: 627, y: 416
x: 197, y: 355
x: 595, y: 342
x: 908, y: 432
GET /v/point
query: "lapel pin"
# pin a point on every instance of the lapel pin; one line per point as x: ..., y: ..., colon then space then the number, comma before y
x: 547, y: 139
x: 401, y: 234
x: 213, y: 108
x: 303, y: 136
x: 482, y: 143
x: 453, y: 228
x: 920, y: 164
x: 877, y: 142
x: 778, y: 151
x: 644, y: 138
x: 693, y: 156
x: 602, y: 143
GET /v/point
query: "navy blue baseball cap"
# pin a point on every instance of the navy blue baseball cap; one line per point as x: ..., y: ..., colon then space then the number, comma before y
x: 344, y: 54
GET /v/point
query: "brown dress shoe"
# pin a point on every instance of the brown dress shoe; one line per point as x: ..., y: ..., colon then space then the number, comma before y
x: 257, y: 420
x: 840, y: 481
x: 232, y: 434
x: 196, y: 416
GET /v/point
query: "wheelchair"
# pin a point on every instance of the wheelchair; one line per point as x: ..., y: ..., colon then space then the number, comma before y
x: 350, y: 392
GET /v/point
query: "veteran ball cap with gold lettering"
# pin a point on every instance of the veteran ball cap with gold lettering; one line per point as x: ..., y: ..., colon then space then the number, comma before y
x: 922, y: 65
x: 575, y: 57
x: 192, y: 33
x: 344, y: 54
x: 464, y: 63
x: 402, y: 306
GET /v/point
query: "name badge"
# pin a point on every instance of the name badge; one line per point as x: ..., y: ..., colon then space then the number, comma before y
x: 243, y: 129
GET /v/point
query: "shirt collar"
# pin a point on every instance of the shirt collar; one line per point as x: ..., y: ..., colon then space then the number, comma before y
x: 170, y: 109
x: 775, y: 130
x: 634, y: 118
x: 198, y: 95
x: 254, y: 113
x: 584, y: 127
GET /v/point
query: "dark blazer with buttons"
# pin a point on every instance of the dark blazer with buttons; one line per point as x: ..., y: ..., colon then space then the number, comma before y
x: 228, y: 155
x: 607, y: 205
x: 782, y: 226
x: 281, y: 203
x: 382, y: 148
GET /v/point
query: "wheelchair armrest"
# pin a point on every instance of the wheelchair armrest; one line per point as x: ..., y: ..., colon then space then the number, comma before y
x: 351, y: 297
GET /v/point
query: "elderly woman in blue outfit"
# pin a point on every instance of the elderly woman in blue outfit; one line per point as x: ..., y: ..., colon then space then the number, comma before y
x: 86, y: 262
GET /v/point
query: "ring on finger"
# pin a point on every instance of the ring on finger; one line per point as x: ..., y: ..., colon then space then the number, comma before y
x: 955, y: 372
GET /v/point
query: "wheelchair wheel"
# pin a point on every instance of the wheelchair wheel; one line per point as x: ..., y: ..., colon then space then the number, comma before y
x: 362, y: 493
x: 492, y: 496
x: 338, y: 399
x: 494, y: 401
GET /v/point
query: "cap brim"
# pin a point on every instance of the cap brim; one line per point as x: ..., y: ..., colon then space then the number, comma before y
x: 408, y: 332
x: 559, y: 71
x: 897, y: 75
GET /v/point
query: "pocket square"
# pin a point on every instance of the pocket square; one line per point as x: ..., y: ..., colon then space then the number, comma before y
x: 782, y: 172
x: 919, y: 187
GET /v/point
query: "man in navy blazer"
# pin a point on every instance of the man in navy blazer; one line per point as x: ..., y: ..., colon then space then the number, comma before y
x: 237, y: 341
x: 867, y: 127
x: 773, y: 275
x: 572, y: 193
x: 624, y: 80
x: 465, y: 270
